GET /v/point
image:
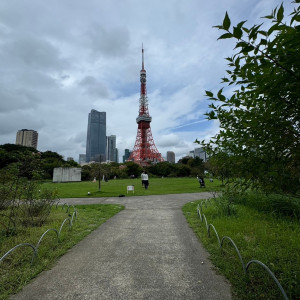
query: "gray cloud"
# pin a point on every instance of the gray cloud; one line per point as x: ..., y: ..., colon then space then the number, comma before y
x: 93, y: 87
x: 60, y: 59
x: 111, y: 42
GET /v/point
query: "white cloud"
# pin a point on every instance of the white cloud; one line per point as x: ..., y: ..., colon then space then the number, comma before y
x: 60, y: 59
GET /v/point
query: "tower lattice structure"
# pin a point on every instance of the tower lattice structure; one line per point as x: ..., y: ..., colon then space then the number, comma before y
x: 144, y: 148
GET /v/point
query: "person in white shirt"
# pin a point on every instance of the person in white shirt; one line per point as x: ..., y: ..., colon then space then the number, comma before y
x: 145, y: 179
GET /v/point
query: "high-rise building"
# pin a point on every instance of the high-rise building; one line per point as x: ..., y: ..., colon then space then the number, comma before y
x: 112, y: 151
x: 82, y: 158
x: 200, y: 152
x: 171, y: 157
x: 191, y: 154
x: 117, y: 155
x: 126, y: 155
x: 96, y: 136
x: 27, y: 137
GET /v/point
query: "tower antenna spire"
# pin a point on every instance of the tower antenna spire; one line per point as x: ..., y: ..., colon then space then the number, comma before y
x: 142, y: 56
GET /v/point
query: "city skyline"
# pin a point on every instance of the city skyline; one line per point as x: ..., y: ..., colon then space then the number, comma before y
x: 61, y: 60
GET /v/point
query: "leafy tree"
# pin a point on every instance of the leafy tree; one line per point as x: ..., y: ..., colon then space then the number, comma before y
x: 133, y: 168
x: 161, y: 169
x: 220, y: 165
x: 259, y: 122
x: 86, y: 173
x: 183, y: 170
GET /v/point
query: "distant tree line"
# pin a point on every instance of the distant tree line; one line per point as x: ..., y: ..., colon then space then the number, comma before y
x: 30, y: 163
x: 185, y: 167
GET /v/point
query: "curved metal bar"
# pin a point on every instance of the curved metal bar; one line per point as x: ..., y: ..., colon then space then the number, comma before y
x: 41, y: 238
x: 74, y: 214
x: 270, y: 273
x: 68, y: 210
x: 20, y: 245
x: 205, y: 221
x: 199, y: 212
x: 236, y: 249
x: 64, y: 206
x: 70, y: 225
x: 57, y: 203
x: 208, y: 232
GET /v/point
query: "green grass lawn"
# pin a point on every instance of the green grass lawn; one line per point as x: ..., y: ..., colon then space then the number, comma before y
x: 272, y: 240
x: 113, y: 188
x: 16, y: 271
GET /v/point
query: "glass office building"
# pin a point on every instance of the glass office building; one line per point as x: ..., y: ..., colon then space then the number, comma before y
x: 96, y: 136
x: 112, y: 151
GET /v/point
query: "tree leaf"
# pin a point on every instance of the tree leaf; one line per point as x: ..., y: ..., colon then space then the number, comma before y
x: 221, y: 96
x: 218, y: 26
x: 273, y: 28
x: 209, y: 94
x: 240, y: 44
x: 237, y: 32
x: 226, y: 22
x: 247, y: 49
x: 268, y: 17
x: 263, y: 42
x: 225, y: 36
x: 241, y: 24
x: 280, y: 13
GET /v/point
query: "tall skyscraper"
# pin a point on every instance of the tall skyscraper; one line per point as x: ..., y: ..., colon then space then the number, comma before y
x: 200, y: 152
x: 126, y: 155
x: 96, y: 136
x: 171, y: 157
x: 82, y: 158
x: 112, y: 151
x: 27, y: 137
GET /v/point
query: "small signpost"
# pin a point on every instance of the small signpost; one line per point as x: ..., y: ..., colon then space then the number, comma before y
x: 130, y: 188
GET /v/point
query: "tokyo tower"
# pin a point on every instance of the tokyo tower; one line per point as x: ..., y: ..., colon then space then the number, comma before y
x: 144, y: 148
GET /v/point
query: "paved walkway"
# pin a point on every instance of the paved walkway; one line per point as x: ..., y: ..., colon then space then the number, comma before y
x: 147, y: 251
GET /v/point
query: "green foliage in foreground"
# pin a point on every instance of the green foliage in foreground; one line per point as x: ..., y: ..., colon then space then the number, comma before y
x: 16, y: 271
x: 114, y: 188
x: 272, y: 240
x: 259, y: 119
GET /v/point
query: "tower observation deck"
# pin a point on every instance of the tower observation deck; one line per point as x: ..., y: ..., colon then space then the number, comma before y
x: 144, y: 148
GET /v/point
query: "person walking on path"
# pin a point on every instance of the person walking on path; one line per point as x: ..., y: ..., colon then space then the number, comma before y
x: 145, y: 179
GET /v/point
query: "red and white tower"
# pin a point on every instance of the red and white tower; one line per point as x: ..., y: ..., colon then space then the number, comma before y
x: 144, y: 148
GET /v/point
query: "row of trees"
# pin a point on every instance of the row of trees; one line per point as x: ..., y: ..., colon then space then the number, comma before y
x: 258, y: 140
x: 185, y: 167
x: 27, y: 162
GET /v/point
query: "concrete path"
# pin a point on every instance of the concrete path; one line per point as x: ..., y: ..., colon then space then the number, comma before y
x: 147, y: 251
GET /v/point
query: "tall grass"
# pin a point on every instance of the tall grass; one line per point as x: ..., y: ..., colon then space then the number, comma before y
x: 16, y: 269
x: 272, y: 239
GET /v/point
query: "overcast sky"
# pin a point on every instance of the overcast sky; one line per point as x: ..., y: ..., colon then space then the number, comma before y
x: 62, y: 58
